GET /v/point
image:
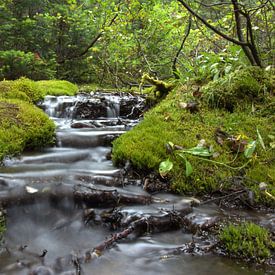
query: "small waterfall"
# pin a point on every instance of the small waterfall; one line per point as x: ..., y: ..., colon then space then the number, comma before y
x: 113, y: 106
x: 60, y: 107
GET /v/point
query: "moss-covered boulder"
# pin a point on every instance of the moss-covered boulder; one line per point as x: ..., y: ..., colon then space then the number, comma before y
x: 23, y: 88
x: 23, y: 126
x: 248, y: 241
x: 57, y: 87
x: 33, y: 91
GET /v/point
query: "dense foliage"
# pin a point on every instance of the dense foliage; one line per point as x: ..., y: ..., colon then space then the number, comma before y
x: 115, y: 42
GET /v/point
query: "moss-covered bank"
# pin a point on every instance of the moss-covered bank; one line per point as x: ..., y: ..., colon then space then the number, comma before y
x: 188, y: 116
x: 23, y: 125
x: 247, y: 241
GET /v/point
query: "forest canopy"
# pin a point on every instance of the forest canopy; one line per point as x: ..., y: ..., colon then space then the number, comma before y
x: 116, y: 42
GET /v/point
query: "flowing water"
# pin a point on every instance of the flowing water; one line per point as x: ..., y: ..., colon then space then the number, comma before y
x: 86, y: 125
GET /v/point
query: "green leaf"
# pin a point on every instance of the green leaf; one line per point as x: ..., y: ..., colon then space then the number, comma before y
x: 198, y: 151
x: 250, y: 148
x: 165, y: 167
x: 260, y: 139
x: 188, y: 168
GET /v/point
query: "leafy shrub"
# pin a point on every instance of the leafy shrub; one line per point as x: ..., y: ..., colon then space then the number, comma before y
x: 247, y: 240
x: 15, y: 64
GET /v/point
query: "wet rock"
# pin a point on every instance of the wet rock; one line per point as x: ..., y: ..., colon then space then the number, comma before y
x: 131, y: 108
x: 90, y: 109
x: 42, y: 270
x: 153, y: 184
x: 79, y: 125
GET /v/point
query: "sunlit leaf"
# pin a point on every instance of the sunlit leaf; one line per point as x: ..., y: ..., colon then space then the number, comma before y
x: 250, y: 148
x: 165, y: 167
x: 260, y: 139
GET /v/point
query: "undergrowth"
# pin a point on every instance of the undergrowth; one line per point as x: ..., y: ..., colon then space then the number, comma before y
x: 170, y: 121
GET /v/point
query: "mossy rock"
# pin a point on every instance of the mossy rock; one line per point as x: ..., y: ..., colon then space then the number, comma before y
x: 23, y: 126
x: 33, y: 91
x: 247, y: 241
x: 145, y: 146
x: 239, y: 89
x: 57, y: 87
x: 23, y: 88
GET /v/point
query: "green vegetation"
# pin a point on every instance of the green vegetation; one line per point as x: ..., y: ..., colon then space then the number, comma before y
x: 23, y: 125
x: 247, y: 241
x: 23, y: 88
x: 57, y: 87
x: 251, y: 85
x: 172, y: 121
x: 116, y: 42
x: 33, y: 91
x: 15, y: 64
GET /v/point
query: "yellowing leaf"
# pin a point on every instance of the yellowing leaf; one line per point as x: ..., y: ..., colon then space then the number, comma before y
x: 261, y: 139
x: 165, y: 167
x: 250, y: 148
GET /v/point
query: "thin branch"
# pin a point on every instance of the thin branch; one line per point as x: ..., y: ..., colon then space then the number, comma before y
x: 174, y: 66
x: 225, y: 36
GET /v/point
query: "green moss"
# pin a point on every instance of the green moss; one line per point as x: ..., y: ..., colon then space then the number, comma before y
x: 239, y: 89
x: 248, y: 241
x: 145, y: 145
x: 23, y: 88
x: 159, y: 88
x: 23, y: 126
x: 57, y: 87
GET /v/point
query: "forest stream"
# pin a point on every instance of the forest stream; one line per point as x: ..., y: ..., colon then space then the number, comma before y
x: 70, y: 211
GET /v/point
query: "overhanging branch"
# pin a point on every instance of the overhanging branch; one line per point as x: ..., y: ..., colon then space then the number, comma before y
x: 217, y: 31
